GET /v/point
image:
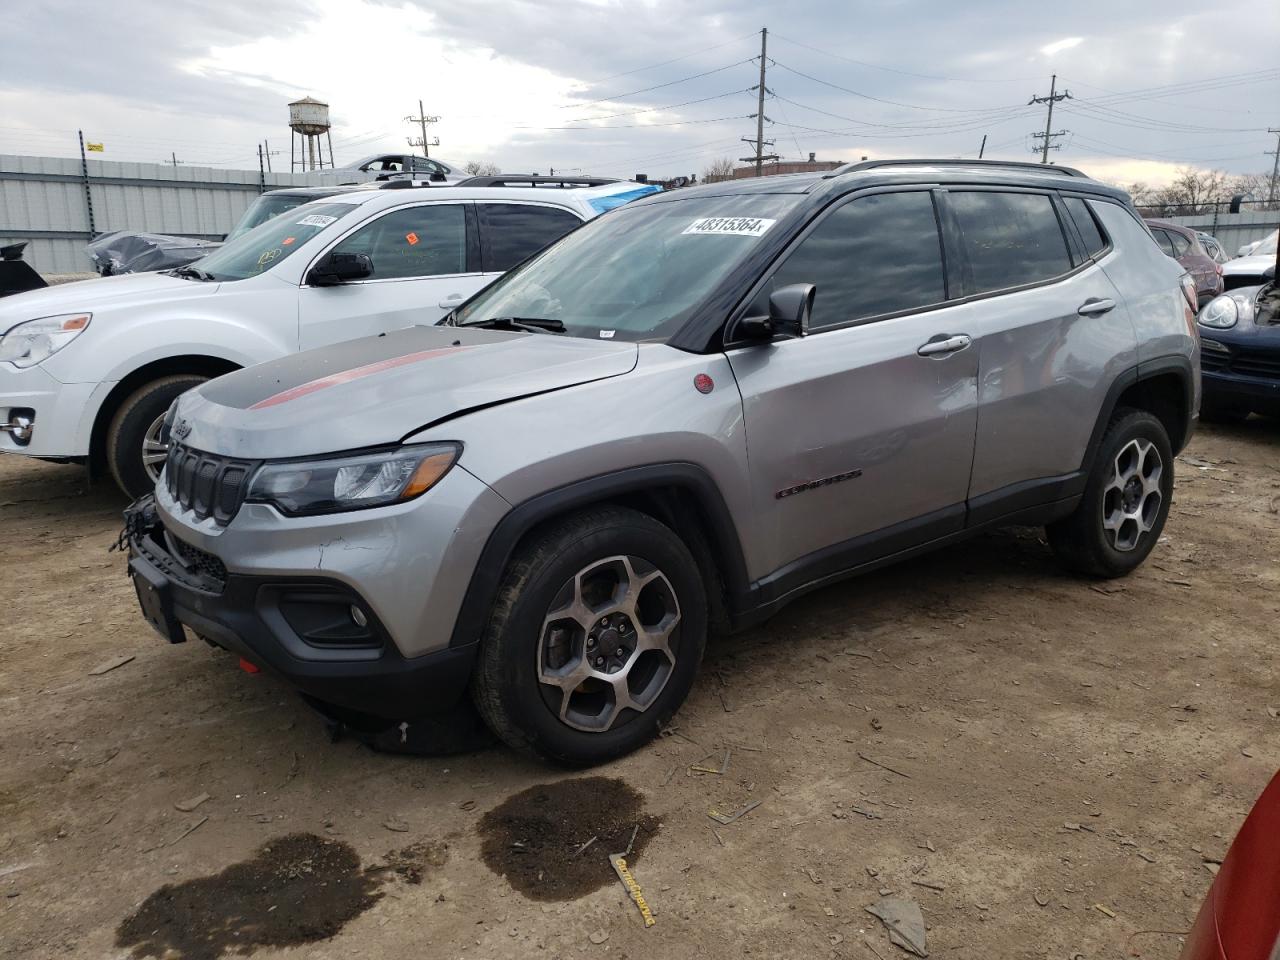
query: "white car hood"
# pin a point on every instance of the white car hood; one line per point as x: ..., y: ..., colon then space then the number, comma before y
x: 129, y: 290
x: 1248, y: 266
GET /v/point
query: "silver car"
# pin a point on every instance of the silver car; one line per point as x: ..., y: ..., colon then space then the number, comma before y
x: 675, y: 420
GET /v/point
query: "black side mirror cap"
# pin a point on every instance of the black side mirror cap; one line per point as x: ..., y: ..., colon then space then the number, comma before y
x: 790, y: 310
x: 1269, y: 274
x: 340, y: 268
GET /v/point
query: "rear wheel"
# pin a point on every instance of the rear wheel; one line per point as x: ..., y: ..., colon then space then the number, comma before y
x: 1125, y: 502
x: 136, y: 447
x: 595, y: 638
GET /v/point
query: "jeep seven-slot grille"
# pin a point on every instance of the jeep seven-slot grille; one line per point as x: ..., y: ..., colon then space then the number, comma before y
x: 206, y: 484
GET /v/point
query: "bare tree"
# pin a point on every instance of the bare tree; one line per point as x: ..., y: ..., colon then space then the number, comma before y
x: 482, y: 168
x: 718, y: 170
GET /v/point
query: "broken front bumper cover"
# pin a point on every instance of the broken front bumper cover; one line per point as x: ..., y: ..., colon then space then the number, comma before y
x: 288, y: 626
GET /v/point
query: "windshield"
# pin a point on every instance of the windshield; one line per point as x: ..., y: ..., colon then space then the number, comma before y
x: 637, y: 273
x: 1267, y: 247
x: 263, y: 247
x: 263, y: 209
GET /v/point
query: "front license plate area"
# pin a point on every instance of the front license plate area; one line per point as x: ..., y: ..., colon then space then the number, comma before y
x: 156, y: 600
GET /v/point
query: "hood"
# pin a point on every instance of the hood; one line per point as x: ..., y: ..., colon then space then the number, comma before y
x: 1248, y: 266
x: 129, y: 290
x: 378, y: 390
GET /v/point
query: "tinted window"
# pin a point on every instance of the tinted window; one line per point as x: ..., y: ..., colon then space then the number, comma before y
x: 875, y: 255
x: 424, y: 241
x: 1094, y: 240
x: 1010, y: 238
x: 1166, y: 244
x: 511, y: 232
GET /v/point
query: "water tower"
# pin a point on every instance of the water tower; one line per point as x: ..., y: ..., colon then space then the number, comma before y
x: 308, y: 122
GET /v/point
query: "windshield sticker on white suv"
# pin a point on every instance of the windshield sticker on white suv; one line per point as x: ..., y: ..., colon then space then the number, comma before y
x: 316, y: 220
x: 730, y: 226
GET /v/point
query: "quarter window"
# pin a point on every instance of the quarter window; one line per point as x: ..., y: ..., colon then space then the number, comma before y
x: 1166, y: 244
x: 875, y: 255
x: 424, y: 241
x: 512, y: 232
x: 1095, y: 242
x: 1181, y: 245
x: 1011, y: 238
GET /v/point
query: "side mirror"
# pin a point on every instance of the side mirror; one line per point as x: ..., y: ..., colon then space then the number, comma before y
x: 1269, y: 274
x: 790, y: 309
x: 339, y: 268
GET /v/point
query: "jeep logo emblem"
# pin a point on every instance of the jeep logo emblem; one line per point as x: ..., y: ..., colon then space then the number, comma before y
x: 181, y: 429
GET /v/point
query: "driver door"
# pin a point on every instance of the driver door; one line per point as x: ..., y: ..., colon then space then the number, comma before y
x: 425, y: 261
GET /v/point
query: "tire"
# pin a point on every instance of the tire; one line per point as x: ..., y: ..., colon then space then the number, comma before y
x: 533, y: 683
x: 129, y: 427
x: 1137, y: 503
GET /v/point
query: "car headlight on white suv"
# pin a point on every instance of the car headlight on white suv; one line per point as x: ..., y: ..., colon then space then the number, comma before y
x: 1225, y: 311
x: 352, y: 482
x: 36, y: 340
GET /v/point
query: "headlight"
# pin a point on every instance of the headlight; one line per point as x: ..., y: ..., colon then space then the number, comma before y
x: 29, y: 343
x: 353, y: 482
x: 1223, y: 312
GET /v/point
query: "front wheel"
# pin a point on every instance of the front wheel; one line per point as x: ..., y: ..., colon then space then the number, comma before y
x: 595, y: 638
x: 136, y: 445
x: 1125, y: 503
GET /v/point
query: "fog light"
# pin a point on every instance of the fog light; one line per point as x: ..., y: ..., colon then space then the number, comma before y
x: 21, y: 425
x: 358, y: 616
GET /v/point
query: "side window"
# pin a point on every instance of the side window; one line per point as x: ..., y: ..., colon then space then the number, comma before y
x: 1010, y: 238
x: 1166, y: 244
x: 875, y: 255
x: 510, y: 232
x: 1181, y: 245
x: 423, y: 241
x: 1094, y: 240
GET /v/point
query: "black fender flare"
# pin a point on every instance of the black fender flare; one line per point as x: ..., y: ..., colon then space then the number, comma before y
x: 725, y: 545
x: 1144, y: 370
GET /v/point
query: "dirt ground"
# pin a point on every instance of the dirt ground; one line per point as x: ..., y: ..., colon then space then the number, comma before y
x: 1048, y: 766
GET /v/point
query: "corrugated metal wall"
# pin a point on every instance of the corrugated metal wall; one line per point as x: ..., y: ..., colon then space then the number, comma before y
x: 42, y: 199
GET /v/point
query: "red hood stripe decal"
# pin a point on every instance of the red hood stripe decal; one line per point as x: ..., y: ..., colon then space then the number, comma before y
x: 355, y: 373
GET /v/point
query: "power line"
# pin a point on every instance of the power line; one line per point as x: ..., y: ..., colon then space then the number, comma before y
x: 1124, y: 119
x: 663, y: 63
x: 671, y: 106
x: 905, y: 73
x: 670, y: 83
x: 867, y: 96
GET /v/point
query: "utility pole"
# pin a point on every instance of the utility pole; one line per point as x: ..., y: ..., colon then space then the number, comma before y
x: 88, y: 194
x: 262, y: 176
x: 422, y: 120
x: 268, y: 153
x: 1275, y: 166
x: 982, y: 149
x: 1050, y: 134
x: 760, y: 142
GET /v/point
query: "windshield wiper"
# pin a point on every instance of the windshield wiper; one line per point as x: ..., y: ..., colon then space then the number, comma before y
x: 189, y: 271
x: 534, y: 324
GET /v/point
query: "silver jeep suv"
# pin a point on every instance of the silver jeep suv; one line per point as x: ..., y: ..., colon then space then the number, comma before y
x: 676, y: 419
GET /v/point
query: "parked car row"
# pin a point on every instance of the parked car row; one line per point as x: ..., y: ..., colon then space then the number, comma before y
x: 674, y: 420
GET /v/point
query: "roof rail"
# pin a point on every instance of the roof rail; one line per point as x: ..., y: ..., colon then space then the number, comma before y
x: 1024, y: 165
x: 401, y: 184
x: 524, y: 180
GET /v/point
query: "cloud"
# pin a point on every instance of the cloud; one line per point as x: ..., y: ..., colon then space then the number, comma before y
x: 1058, y: 46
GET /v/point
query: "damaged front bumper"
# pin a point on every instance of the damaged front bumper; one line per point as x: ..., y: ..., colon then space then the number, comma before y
x: 315, y: 632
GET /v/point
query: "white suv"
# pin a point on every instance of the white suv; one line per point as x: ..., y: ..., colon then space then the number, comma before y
x: 87, y: 370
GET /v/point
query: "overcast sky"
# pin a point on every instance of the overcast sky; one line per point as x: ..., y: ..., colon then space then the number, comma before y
x: 612, y: 88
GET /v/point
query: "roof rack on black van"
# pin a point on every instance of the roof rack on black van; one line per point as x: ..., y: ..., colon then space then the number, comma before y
x: 1024, y: 165
x: 524, y: 180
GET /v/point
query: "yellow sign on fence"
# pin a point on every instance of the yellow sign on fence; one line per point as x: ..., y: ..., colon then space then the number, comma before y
x: 95, y: 147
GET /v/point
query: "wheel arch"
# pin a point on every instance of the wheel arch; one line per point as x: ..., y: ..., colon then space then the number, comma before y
x: 683, y: 496
x: 1164, y: 387
x: 195, y: 364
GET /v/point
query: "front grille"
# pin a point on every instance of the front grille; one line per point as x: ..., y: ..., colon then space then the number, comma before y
x: 1244, y: 363
x: 1213, y: 362
x: 207, y: 484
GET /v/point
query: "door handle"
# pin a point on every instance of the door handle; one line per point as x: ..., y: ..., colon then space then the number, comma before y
x: 944, y: 343
x: 452, y: 300
x: 1095, y: 306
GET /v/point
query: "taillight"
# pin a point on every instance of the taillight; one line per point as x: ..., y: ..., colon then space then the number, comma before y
x: 1189, y: 291
x: 1217, y: 268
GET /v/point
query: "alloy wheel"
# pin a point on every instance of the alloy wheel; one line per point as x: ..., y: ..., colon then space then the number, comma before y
x: 1132, y: 497
x: 608, y: 643
x: 155, y: 448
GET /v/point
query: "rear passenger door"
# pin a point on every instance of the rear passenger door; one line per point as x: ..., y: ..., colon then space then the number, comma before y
x: 425, y: 261
x: 860, y: 435
x: 511, y: 232
x: 1051, y: 333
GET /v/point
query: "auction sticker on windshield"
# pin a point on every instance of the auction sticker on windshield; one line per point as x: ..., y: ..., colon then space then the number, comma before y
x: 730, y: 226
x: 316, y: 220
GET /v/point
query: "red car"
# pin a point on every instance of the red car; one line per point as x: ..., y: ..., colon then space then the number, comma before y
x: 1183, y: 245
x: 1240, y: 918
